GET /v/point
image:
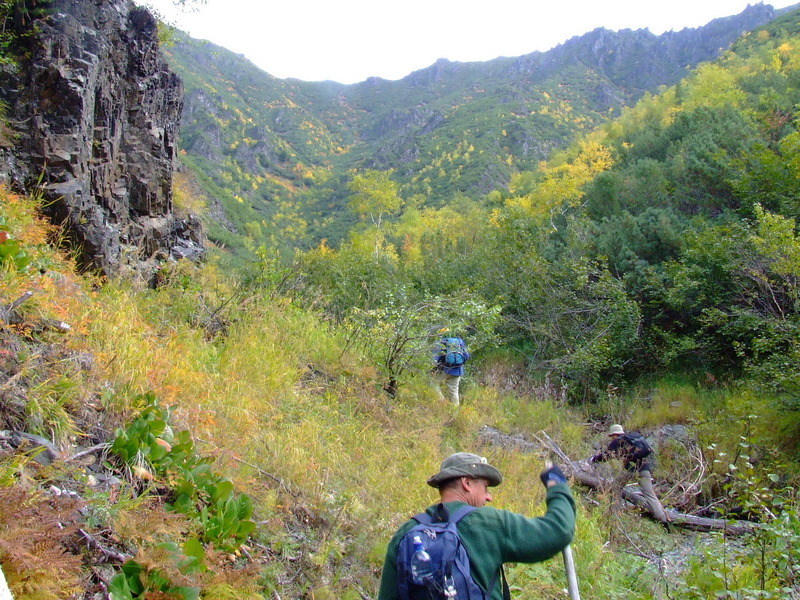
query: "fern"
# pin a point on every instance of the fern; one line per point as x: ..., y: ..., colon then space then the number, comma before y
x: 36, y: 537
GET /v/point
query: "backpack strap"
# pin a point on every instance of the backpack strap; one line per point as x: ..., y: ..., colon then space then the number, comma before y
x: 461, y: 513
x: 423, y: 518
x: 506, y: 591
x: 443, y: 516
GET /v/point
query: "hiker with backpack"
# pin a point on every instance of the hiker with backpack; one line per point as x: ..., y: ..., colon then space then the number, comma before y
x: 457, y: 547
x: 637, y: 459
x: 450, y: 356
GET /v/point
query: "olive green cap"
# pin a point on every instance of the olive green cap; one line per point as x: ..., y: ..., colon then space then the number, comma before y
x: 465, y: 464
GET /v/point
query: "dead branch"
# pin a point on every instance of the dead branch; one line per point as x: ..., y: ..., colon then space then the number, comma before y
x: 274, y: 478
x: 120, y: 557
x: 5, y: 311
x: 54, y: 325
x: 277, y: 480
x: 687, y: 489
x: 11, y: 381
x: 585, y: 474
x: 104, y: 446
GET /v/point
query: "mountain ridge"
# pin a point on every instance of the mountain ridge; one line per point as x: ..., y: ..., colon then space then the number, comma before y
x: 284, y: 147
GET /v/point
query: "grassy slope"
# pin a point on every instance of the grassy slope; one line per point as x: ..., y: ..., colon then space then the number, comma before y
x: 300, y: 424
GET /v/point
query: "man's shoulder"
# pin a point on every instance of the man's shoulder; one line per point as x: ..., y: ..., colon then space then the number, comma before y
x: 453, y: 507
x: 482, y: 513
x: 411, y: 522
x: 490, y: 514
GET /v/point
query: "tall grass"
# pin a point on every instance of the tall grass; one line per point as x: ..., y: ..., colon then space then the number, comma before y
x: 297, y: 418
x: 302, y: 425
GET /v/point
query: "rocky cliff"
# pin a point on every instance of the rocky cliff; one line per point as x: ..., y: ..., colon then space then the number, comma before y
x: 98, y: 112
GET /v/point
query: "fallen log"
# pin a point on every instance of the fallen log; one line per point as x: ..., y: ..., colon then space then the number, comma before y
x: 585, y: 474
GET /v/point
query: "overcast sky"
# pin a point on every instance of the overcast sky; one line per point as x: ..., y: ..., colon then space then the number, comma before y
x: 350, y: 40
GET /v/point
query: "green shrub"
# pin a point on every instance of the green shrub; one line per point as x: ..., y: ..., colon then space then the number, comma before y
x: 139, y: 581
x: 12, y: 255
x: 198, y: 492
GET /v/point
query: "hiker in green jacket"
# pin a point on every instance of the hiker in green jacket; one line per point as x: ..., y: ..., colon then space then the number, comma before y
x: 491, y: 536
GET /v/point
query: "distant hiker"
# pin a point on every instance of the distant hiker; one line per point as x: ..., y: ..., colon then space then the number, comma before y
x: 637, y: 458
x: 490, y: 537
x: 450, y: 356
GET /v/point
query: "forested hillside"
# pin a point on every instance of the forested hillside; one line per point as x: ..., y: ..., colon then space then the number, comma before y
x: 278, y: 154
x: 261, y: 432
x: 659, y: 242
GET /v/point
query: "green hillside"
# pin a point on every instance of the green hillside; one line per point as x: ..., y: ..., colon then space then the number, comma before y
x: 278, y: 154
x: 601, y: 262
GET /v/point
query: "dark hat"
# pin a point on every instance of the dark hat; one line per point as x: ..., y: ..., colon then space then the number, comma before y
x: 464, y: 464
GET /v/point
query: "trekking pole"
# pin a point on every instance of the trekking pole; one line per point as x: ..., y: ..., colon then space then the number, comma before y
x: 569, y: 563
x: 572, y: 578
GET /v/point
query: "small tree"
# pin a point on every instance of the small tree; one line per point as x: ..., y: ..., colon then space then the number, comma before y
x: 400, y: 336
x: 375, y: 195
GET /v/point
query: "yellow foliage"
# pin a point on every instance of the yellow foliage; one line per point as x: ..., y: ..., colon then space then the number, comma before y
x: 563, y: 183
x: 712, y: 85
x: 57, y: 292
x: 188, y: 197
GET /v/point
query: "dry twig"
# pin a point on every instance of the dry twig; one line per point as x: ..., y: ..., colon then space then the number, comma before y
x: 5, y: 311
x: 276, y: 479
x: 104, y: 446
x: 120, y: 557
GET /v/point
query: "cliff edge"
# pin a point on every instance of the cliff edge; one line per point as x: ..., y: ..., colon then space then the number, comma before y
x: 97, y: 111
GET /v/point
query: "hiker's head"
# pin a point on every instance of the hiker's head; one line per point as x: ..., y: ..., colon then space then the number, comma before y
x: 472, y: 490
x: 464, y: 465
x: 615, y: 430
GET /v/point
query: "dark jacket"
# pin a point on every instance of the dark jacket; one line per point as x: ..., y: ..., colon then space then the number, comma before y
x: 622, y: 448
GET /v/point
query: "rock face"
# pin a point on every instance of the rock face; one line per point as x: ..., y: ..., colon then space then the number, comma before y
x: 100, y: 112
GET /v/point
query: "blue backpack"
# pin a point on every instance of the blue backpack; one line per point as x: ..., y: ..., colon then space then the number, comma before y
x: 453, y: 352
x: 450, y: 562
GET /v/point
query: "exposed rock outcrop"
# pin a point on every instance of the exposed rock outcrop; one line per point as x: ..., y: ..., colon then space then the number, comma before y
x: 99, y: 111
